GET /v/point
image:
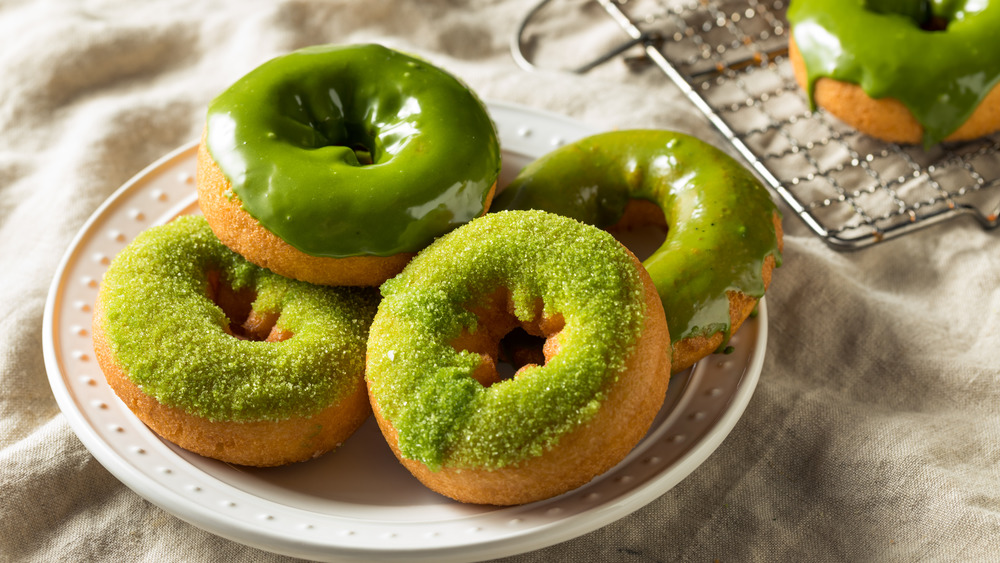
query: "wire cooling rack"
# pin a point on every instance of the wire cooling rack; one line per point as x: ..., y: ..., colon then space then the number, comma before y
x: 729, y: 58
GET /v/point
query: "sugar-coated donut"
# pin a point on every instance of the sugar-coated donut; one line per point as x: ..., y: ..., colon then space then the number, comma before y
x: 474, y: 436
x: 907, y: 71
x: 334, y: 164
x: 724, y: 232
x: 225, y: 358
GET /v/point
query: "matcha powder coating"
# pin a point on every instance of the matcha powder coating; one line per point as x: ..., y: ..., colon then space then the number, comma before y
x: 170, y: 337
x: 444, y: 417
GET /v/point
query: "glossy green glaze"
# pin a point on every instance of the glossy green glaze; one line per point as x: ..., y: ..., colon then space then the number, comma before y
x: 720, y: 218
x: 424, y: 387
x: 940, y: 76
x: 155, y: 298
x: 354, y: 150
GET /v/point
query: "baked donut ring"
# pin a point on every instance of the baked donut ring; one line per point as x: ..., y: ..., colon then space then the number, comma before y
x: 723, y: 230
x: 467, y: 433
x: 334, y: 164
x: 227, y: 359
x: 904, y: 72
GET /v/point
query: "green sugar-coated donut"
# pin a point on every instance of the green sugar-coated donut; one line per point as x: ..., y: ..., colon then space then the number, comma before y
x: 228, y: 359
x: 356, y: 150
x: 724, y: 231
x: 431, y: 374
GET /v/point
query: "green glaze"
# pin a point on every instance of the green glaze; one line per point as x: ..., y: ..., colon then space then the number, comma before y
x: 720, y: 218
x: 288, y: 136
x: 170, y: 337
x: 940, y: 76
x: 423, y: 385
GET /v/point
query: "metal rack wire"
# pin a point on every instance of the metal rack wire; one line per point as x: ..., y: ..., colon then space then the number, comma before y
x: 729, y: 58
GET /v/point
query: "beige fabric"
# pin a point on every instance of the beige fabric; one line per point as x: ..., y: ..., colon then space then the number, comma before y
x: 874, y: 433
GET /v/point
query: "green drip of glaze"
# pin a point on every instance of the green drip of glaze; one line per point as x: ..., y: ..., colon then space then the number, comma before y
x: 423, y: 385
x: 720, y: 218
x: 940, y: 76
x: 170, y: 337
x: 289, y: 136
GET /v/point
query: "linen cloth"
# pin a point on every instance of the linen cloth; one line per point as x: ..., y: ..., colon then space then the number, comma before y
x: 873, y: 433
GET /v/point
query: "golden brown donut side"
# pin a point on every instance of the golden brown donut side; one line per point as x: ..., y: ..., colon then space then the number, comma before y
x: 238, y: 230
x: 690, y: 350
x: 632, y: 404
x: 887, y: 118
x: 261, y: 444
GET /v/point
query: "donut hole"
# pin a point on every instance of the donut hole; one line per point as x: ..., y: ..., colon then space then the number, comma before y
x: 935, y: 23
x: 364, y: 154
x: 918, y: 12
x: 245, y: 323
x: 507, y: 345
x: 517, y: 349
x: 642, y: 228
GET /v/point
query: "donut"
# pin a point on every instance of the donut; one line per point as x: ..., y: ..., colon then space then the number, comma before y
x: 723, y: 236
x: 473, y: 435
x: 227, y: 359
x: 334, y: 164
x: 905, y: 72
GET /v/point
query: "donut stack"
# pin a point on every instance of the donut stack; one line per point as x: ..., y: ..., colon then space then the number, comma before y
x: 241, y: 335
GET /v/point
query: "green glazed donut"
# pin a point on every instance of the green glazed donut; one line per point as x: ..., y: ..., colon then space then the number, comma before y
x: 724, y: 231
x: 938, y: 58
x: 431, y: 369
x: 228, y: 359
x: 349, y: 151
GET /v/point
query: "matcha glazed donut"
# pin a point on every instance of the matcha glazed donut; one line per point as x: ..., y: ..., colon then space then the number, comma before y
x: 469, y: 434
x: 225, y: 358
x: 905, y: 71
x: 334, y: 164
x: 723, y: 231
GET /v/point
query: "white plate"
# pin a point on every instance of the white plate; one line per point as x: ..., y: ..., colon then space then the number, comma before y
x: 358, y: 502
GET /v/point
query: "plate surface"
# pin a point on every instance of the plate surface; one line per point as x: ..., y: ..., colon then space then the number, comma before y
x: 359, y: 502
